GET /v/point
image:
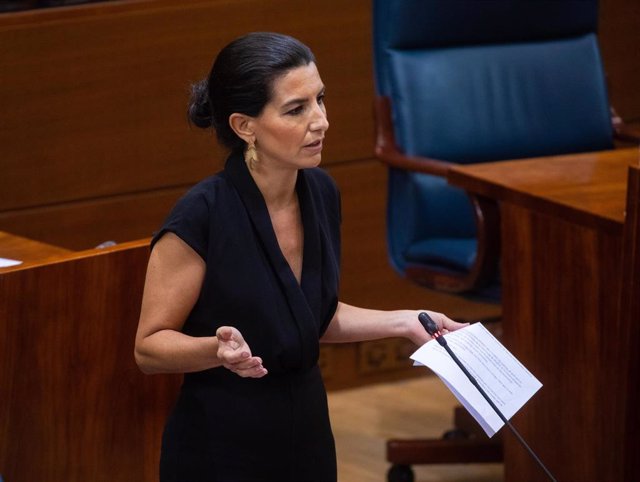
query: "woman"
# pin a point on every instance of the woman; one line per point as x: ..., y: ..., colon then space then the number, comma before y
x: 242, y: 282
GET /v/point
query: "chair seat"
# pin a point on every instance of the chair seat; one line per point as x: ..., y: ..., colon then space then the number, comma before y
x: 450, y: 253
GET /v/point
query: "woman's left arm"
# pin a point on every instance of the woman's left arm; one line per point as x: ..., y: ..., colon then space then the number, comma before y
x: 351, y: 323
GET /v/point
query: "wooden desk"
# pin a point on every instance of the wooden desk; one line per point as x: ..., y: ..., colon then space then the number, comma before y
x: 629, y: 326
x: 74, y: 406
x: 26, y: 250
x: 562, y: 222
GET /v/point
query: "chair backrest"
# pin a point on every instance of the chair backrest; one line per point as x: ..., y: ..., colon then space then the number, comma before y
x: 483, y: 80
x: 474, y: 80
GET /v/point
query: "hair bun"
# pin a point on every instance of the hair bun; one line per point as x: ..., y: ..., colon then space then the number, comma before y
x: 200, y: 112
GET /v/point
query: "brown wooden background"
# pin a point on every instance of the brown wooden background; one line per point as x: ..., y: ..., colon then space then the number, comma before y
x: 94, y: 143
x: 94, y: 139
x: 94, y: 146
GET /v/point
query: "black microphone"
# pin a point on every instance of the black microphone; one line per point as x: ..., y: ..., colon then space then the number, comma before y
x: 432, y: 328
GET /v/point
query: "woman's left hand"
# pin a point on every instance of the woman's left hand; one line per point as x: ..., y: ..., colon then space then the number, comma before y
x: 419, y: 335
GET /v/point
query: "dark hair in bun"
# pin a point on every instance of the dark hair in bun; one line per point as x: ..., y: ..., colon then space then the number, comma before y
x: 241, y: 81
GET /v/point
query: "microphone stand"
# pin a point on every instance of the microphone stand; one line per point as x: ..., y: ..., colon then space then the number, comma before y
x: 432, y: 328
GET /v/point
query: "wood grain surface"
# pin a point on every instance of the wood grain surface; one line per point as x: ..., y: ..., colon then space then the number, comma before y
x: 563, y: 276
x: 74, y: 406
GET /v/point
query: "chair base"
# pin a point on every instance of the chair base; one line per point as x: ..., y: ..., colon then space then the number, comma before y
x: 465, y: 444
x: 444, y: 451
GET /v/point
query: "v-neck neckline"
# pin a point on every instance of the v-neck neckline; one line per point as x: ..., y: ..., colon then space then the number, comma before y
x: 259, y: 213
x: 298, y: 213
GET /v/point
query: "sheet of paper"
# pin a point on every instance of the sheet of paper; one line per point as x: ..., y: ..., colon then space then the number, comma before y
x: 5, y: 262
x: 507, y: 382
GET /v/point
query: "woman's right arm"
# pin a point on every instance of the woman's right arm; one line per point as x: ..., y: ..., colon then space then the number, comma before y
x: 174, y: 278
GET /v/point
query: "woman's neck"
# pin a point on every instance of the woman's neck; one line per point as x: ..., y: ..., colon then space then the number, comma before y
x: 278, y: 187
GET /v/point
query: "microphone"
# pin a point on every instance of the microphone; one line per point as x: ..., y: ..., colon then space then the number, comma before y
x: 432, y: 328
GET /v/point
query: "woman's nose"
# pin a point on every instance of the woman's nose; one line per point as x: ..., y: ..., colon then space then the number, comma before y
x: 319, y: 121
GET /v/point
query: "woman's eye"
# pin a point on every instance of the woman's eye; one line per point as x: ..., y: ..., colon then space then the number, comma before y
x: 298, y: 110
x: 321, y: 99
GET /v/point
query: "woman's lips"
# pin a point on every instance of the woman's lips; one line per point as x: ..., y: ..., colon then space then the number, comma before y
x: 314, y: 147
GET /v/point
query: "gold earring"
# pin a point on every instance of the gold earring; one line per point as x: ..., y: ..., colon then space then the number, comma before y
x: 251, y: 156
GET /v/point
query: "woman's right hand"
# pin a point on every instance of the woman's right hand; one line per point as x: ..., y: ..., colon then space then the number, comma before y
x: 235, y: 354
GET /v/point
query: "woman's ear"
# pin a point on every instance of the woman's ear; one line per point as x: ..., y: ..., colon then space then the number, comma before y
x: 242, y: 125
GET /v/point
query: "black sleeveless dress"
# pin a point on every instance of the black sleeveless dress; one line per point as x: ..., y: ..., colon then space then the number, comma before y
x: 225, y: 428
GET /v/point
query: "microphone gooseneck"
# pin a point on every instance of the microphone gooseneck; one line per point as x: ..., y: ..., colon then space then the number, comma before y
x: 432, y: 328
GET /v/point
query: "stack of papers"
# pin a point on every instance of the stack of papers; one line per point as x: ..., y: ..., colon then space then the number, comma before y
x: 503, y: 378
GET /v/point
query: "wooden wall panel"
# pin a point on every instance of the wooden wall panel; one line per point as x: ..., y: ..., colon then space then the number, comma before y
x: 85, y: 224
x: 620, y: 40
x: 94, y: 97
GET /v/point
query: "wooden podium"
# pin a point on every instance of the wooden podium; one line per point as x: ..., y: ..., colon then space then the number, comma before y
x: 569, y: 260
x: 73, y: 404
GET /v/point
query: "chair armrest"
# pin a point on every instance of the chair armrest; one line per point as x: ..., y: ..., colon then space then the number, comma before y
x: 623, y: 132
x: 483, y: 272
x: 387, y: 150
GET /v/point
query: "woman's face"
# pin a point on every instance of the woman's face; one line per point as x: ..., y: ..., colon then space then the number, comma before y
x: 290, y: 129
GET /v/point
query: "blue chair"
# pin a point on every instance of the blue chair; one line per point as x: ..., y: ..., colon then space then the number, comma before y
x: 467, y: 81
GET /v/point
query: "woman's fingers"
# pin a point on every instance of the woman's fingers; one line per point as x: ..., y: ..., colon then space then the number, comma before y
x: 229, y: 355
x: 251, y: 367
x: 244, y: 364
x: 446, y: 324
x: 230, y: 336
x: 224, y: 333
x: 231, y: 346
x: 235, y: 354
x: 255, y: 372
